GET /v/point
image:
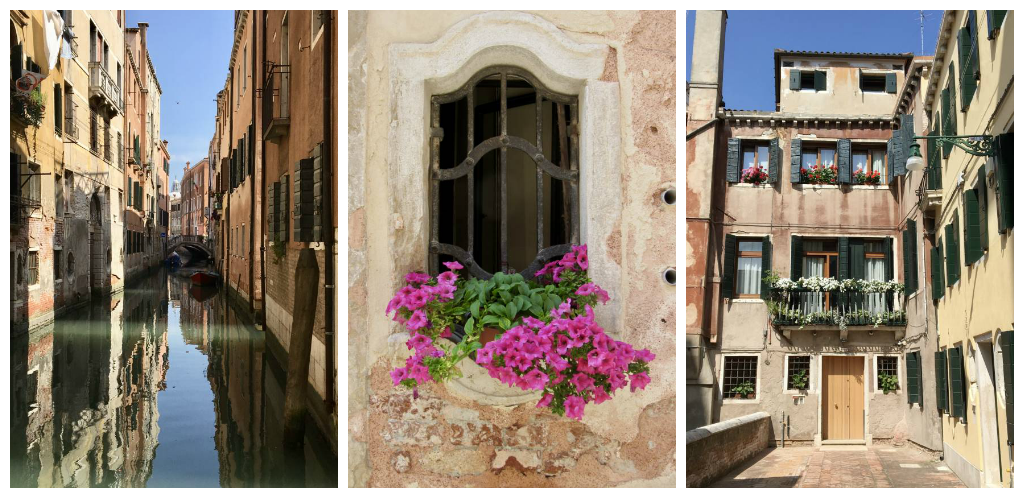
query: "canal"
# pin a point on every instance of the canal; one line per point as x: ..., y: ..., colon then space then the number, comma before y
x: 162, y: 385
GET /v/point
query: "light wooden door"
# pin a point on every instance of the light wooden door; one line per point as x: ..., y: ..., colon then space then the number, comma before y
x: 842, y: 396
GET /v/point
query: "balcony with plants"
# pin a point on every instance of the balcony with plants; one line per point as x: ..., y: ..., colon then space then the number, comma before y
x: 28, y: 108
x: 830, y: 303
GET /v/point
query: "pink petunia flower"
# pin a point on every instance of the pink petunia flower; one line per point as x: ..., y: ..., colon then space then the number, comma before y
x: 545, y: 401
x: 446, y: 333
x: 535, y: 379
x: 417, y: 299
x: 574, y: 407
x: 644, y: 355
x: 582, y: 381
x: 417, y: 321
x: 582, y: 260
x: 453, y: 265
x: 484, y: 356
x: 417, y: 278
x: 399, y: 374
x: 418, y: 342
x: 638, y: 381
x: 447, y: 278
x: 586, y: 289
x: 600, y: 396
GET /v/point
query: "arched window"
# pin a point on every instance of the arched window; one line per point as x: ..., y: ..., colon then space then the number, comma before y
x: 504, y: 174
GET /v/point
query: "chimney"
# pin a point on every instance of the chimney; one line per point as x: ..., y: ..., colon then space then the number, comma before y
x: 186, y: 165
x: 705, y: 86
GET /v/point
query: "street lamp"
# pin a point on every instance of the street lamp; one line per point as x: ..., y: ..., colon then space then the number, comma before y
x: 915, y: 162
x: 975, y: 145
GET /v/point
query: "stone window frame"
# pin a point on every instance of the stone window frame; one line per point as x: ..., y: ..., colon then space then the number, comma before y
x: 899, y: 372
x: 757, y: 383
x: 416, y: 71
x: 811, y: 384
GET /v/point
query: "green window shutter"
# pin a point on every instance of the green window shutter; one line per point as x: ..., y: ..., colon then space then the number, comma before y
x: 858, y: 263
x: 1004, y: 180
x: 775, y: 154
x: 956, y: 244
x: 766, y: 264
x: 938, y: 282
x: 16, y: 62
x: 995, y: 21
x: 951, y: 250
x: 844, y: 258
x: 906, y: 140
x: 956, y: 382
x: 843, y: 162
x: 912, y: 228
x: 941, y: 385
x: 934, y: 161
x: 967, y: 83
x: 952, y: 99
x: 272, y: 210
x: 981, y: 192
x: 907, y: 260
x: 129, y: 191
x: 252, y: 148
x: 318, y: 201
x: 794, y: 79
x: 899, y: 160
x: 729, y: 266
x: 913, y: 377
x: 972, y: 228
x: 282, y: 210
x: 887, y: 251
x: 947, y: 111
x: 796, y: 257
x: 732, y: 157
x: 889, y: 159
x: 890, y: 82
x: 303, y: 201
x: 794, y: 160
x: 1006, y: 347
x: 820, y: 81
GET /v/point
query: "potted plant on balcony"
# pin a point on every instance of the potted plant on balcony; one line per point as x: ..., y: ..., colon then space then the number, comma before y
x: 29, y: 107
x: 865, y: 178
x: 819, y: 175
x: 754, y: 174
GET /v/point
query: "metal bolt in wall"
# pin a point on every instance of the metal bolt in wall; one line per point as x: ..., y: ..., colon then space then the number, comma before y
x: 669, y: 196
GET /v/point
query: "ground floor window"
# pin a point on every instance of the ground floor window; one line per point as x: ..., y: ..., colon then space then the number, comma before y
x: 798, y: 373
x: 33, y: 267
x: 58, y: 270
x: 739, y: 377
x: 887, y: 373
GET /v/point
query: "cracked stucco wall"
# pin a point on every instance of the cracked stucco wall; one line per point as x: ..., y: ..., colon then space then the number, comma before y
x: 449, y: 438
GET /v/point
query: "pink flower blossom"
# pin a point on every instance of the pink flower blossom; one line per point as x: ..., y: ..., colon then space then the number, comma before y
x: 417, y: 321
x: 582, y: 260
x: 545, y: 401
x: 600, y: 396
x: 420, y: 373
x: 535, y: 379
x: 453, y: 265
x: 484, y: 355
x: 446, y: 333
x: 582, y: 381
x: 417, y: 299
x: 574, y: 407
x: 399, y: 374
x: 638, y: 381
x: 644, y: 355
x: 418, y: 341
x: 586, y: 289
x: 447, y: 278
x: 417, y: 278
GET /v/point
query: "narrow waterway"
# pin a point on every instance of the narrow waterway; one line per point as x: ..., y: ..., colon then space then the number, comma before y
x: 162, y: 385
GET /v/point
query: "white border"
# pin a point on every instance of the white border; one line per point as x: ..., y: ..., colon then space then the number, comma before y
x: 757, y: 382
x: 810, y: 375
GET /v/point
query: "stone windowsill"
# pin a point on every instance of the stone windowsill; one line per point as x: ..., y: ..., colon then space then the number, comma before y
x: 870, y: 187
x: 750, y: 185
x: 740, y: 401
x: 746, y: 300
x: 816, y: 187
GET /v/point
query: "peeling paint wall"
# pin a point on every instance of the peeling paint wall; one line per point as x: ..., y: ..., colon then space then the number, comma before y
x: 843, y: 93
x: 449, y: 439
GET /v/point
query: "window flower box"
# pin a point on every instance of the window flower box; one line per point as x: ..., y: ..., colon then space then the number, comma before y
x: 860, y: 177
x: 819, y: 175
x: 755, y: 175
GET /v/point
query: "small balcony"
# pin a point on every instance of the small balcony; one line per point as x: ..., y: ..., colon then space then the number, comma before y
x: 70, y: 129
x: 837, y: 310
x: 104, y: 90
x: 275, y: 102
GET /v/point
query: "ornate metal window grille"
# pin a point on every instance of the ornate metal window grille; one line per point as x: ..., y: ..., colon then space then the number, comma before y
x: 564, y: 148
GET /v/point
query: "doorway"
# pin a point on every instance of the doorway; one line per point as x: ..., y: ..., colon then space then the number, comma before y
x: 97, y: 266
x: 984, y: 364
x: 842, y: 398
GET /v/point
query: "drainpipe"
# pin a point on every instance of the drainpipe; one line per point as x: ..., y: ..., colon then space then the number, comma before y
x: 227, y: 190
x: 252, y: 183
x: 328, y: 217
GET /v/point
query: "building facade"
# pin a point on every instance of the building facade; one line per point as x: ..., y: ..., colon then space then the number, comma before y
x: 175, y: 210
x: 195, y: 210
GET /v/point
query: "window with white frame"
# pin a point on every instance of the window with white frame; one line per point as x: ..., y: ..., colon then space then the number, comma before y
x: 887, y: 373
x: 798, y: 372
x: 739, y: 377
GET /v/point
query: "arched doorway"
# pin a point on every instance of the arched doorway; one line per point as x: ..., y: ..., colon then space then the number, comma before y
x: 97, y: 263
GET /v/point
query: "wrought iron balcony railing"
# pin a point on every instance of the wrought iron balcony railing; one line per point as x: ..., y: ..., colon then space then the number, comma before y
x: 839, y: 308
x: 275, y: 97
x: 104, y: 88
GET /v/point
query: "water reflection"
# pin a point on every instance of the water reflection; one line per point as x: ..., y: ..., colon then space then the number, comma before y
x: 162, y: 385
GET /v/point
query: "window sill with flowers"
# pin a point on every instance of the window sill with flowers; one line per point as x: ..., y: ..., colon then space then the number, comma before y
x: 833, y: 302
x: 535, y: 335
x: 819, y: 175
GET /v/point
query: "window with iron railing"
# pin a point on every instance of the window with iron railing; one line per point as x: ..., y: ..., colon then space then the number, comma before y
x: 504, y: 174
x: 94, y: 138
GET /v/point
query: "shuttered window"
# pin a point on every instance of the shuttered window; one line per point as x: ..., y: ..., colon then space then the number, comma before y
x: 972, y: 227
x: 910, y: 257
x: 1004, y: 180
x: 796, y: 257
x: 728, y: 266
x: 914, y: 377
x: 306, y: 195
x: 968, y: 48
x: 957, y: 395
x: 995, y: 21
x: 1006, y: 349
x: 807, y: 80
x: 795, y: 154
x: 934, y: 160
x: 938, y: 286
x: 981, y: 191
x: 948, y: 113
x: 843, y: 162
x: 773, y: 160
x: 272, y: 193
x: 941, y: 383
x: 952, y: 251
x: 732, y: 169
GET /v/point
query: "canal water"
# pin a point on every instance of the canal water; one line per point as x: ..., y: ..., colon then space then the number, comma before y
x: 162, y: 385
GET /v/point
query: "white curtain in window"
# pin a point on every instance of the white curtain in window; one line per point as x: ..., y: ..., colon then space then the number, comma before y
x: 749, y: 276
x: 813, y: 301
x: 874, y: 269
x: 876, y: 162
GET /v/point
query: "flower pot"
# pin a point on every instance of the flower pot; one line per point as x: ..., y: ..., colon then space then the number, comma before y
x: 489, y: 334
x: 750, y: 396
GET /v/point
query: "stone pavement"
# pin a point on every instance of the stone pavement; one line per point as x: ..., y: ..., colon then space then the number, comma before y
x: 879, y: 466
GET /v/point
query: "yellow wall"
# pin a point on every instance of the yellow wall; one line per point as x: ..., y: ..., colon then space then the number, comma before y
x: 842, y: 94
x: 981, y: 302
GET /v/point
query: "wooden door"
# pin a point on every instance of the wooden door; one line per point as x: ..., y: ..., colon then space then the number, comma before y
x: 842, y: 396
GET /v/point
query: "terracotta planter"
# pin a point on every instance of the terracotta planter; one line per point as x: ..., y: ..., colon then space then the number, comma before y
x: 750, y: 396
x: 488, y: 334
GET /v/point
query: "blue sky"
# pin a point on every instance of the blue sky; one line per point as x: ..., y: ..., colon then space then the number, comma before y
x: 751, y: 38
x: 190, y: 51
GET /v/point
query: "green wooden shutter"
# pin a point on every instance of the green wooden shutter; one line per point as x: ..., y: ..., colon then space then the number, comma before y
x: 318, y: 201
x: 732, y: 158
x: 956, y: 382
x: 794, y: 160
x: 130, y: 191
x: 934, y: 160
x: 16, y: 62
x: 729, y: 266
x: 887, y: 251
x: 1004, y: 180
x: 907, y: 260
x: 938, y: 284
x: 890, y: 82
x: 914, y: 377
x: 995, y: 21
x: 941, y: 384
x: 282, y: 209
x: 947, y: 111
x: 899, y: 162
x: 951, y: 252
x: 858, y: 262
x: 1006, y: 346
x: 906, y: 140
x: 843, y: 162
x: 844, y: 258
x: 766, y: 264
x: 972, y: 227
x: 967, y: 83
x: 303, y: 201
x: 252, y: 148
x: 956, y: 243
x: 952, y: 99
x: 794, y: 79
x: 820, y: 81
x: 272, y: 211
x: 912, y: 228
x: 774, y: 155
x: 796, y: 257
x: 981, y: 192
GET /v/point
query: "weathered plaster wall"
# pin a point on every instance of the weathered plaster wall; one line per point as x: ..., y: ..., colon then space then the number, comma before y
x: 448, y: 439
x: 843, y: 94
